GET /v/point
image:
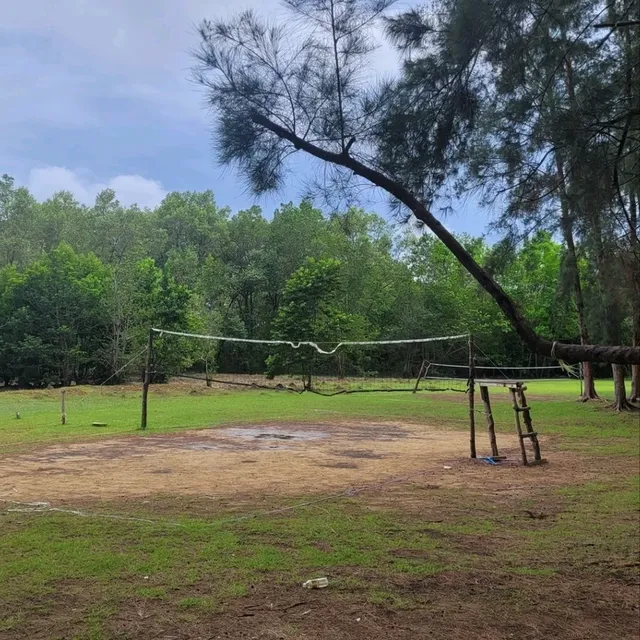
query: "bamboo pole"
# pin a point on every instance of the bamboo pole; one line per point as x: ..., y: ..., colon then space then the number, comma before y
x: 491, y: 425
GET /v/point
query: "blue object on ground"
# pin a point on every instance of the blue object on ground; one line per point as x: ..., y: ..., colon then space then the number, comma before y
x: 490, y: 460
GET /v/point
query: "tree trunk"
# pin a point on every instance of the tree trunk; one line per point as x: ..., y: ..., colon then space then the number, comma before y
x: 589, y: 387
x: 635, y: 284
x: 632, y: 53
x: 635, y: 384
x: 588, y: 384
x: 620, y: 402
x: 571, y: 353
x: 635, y: 368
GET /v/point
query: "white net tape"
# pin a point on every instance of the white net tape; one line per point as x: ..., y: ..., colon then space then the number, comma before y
x: 321, y: 366
x: 307, y: 343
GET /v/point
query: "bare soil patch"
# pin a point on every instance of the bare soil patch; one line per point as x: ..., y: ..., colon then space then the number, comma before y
x: 281, y: 459
x: 274, y: 459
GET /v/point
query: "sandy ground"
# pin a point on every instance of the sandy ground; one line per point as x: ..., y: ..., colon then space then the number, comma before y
x: 266, y: 459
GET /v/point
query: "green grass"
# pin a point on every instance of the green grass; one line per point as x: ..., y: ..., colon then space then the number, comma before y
x: 594, y: 527
x: 46, y: 556
x: 201, y: 566
x: 553, y: 410
x: 92, y: 568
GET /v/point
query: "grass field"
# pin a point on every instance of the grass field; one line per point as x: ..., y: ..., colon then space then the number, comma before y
x: 471, y: 552
x: 192, y: 406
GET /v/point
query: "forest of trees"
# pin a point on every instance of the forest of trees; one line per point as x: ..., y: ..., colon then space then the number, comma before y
x: 532, y: 108
x: 80, y: 286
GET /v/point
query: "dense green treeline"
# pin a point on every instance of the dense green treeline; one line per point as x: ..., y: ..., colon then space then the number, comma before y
x: 81, y: 285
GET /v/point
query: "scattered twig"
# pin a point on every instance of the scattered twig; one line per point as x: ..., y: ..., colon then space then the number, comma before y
x: 536, y: 516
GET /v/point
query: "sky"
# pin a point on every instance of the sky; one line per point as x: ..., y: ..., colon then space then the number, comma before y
x: 98, y: 94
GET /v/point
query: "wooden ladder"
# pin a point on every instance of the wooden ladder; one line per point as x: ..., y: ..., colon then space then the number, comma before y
x: 520, y: 406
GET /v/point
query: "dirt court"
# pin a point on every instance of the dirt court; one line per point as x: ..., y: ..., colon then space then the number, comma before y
x: 271, y: 459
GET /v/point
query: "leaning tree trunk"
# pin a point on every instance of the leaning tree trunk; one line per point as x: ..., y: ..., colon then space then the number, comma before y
x: 571, y: 353
x: 620, y: 402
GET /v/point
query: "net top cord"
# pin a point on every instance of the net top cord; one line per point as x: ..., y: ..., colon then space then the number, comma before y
x: 571, y: 371
x: 308, y: 343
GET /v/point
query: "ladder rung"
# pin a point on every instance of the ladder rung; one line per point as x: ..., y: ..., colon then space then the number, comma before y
x: 523, y: 408
x: 529, y: 434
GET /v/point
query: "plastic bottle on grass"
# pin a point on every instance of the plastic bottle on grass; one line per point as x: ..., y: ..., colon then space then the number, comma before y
x: 316, y: 583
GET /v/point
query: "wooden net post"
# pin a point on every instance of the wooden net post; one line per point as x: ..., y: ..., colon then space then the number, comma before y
x: 420, y: 374
x: 471, y: 391
x: 146, y: 380
x: 63, y: 408
x: 206, y: 372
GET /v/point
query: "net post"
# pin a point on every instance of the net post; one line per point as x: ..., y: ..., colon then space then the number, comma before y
x: 471, y: 392
x: 63, y: 409
x: 206, y: 372
x: 420, y: 374
x: 146, y: 381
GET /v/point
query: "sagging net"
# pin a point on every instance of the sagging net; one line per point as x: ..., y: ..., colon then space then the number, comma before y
x: 323, y: 368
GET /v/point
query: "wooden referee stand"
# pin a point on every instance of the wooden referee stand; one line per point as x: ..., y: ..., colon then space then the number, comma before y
x: 520, y: 408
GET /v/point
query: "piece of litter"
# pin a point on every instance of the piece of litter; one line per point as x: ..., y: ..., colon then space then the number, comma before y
x: 446, y: 467
x: 316, y: 583
x: 489, y: 460
x: 146, y: 578
x: 304, y: 613
x: 357, y: 619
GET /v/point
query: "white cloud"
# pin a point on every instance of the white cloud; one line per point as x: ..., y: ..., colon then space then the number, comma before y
x: 134, y: 189
x: 130, y: 189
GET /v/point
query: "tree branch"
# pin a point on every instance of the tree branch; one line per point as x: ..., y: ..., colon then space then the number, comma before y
x: 616, y: 25
x: 616, y: 176
x: 334, y: 38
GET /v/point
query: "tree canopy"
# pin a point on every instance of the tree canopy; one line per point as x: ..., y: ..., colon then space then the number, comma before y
x: 532, y: 104
x: 78, y: 306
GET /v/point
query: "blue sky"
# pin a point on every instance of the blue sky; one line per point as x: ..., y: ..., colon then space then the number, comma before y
x: 97, y: 94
